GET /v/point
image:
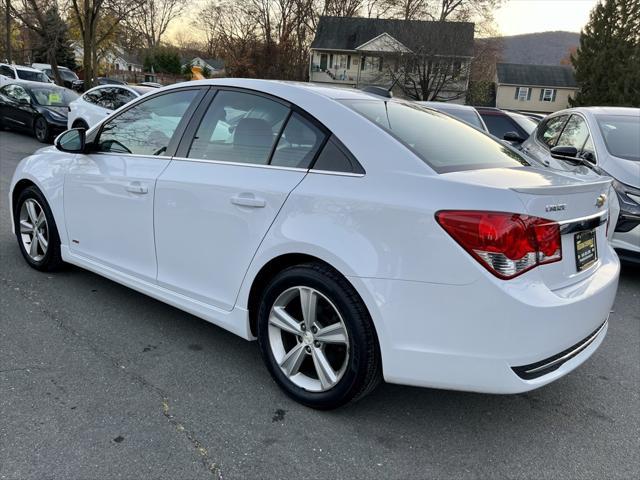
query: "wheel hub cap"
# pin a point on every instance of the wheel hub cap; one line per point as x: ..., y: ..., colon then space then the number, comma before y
x: 34, y: 231
x: 308, y: 339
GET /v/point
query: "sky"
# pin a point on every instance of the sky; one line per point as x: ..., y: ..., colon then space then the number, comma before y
x: 513, y: 18
x: 527, y: 16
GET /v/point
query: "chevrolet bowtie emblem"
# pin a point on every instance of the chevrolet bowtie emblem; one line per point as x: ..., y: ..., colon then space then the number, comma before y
x: 601, y: 200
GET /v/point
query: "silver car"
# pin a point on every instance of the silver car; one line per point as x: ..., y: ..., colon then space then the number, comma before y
x: 607, y: 140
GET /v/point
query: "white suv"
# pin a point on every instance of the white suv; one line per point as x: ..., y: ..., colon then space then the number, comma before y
x: 8, y: 73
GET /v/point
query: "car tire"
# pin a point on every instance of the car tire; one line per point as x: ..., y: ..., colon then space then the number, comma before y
x: 41, y: 130
x: 341, y: 338
x: 80, y: 124
x: 43, y: 256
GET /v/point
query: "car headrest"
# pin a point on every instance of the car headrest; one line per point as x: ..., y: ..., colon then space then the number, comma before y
x: 252, y: 132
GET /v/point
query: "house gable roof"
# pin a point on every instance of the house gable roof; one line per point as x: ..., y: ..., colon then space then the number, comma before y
x: 383, y: 43
x: 442, y: 38
x: 536, y: 75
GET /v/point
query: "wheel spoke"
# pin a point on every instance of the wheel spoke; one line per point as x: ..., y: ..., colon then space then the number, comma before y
x: 332, y: 334
x: 25, y: 227
x: 33, y: 248
x: 308, y: 302
x: 31, y: 210
x: 326, y: 375
x: 40, y: 218
x: 42, y: 241
x: 281, y: 319
x: 293, y: 359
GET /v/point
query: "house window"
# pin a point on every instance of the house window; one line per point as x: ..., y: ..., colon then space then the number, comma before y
x: 331, y: 61
x: 548, y: 95
x: 348, y: 62
x: 523, y: 94
x: 363, y: 63
x: 380, y: 59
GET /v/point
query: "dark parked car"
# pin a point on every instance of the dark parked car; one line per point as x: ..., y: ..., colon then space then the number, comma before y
x: 39, y: 108
x: 511, y: 126
x: 108, y: 81
x: 69, y: 78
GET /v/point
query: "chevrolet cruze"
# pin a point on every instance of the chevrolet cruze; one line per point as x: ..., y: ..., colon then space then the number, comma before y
x: 355, y: 236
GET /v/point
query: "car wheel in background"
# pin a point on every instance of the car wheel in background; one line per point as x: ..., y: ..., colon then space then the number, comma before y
x: 41, y: 130
x: 80, y: 124
x: 317, y: 338
x: 36, y: 230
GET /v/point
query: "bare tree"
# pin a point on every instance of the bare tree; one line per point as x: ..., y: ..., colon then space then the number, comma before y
x: 438, y: 65
x: 342, y: 8
x: 7, y: 26
x: 154, y: 16
x: 89, y: 15
x: 48, y: 29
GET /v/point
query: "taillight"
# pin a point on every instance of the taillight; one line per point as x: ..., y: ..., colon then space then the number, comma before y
x: 506, y: 244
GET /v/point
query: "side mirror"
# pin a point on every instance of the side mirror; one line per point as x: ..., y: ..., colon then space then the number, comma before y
x: 71, y: 141
x: 564, y: 152
x: 513, y: 137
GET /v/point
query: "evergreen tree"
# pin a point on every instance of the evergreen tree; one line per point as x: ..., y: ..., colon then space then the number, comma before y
x: 607, y: 63
x: 57, y: 36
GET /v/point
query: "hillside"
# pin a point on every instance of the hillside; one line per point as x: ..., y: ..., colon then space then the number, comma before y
x: 544, y: 48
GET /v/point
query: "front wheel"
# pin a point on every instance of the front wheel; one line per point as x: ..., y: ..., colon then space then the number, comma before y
x: 36, y: 231
x: 80, y: 124
x: 41, y: 130
x: 316, y: 337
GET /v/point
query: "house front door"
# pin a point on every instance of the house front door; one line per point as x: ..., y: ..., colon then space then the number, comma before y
x: 323, y: 61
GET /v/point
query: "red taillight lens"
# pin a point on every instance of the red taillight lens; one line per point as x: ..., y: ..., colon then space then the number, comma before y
x: 507, y: 244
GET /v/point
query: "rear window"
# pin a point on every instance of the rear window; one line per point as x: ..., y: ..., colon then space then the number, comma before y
x: 445, y: 144
x: 465, y: 115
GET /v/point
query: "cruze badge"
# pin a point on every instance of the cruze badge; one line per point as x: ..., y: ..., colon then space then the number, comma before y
x: 555, y: 208
x: 600, y: 201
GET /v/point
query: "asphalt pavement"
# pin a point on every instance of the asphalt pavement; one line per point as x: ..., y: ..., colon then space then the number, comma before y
x: 99, y: 382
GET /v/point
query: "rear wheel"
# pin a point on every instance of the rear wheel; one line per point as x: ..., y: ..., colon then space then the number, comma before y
x: 41, y: 130
x: 316, y: 337
x: 36, y: 230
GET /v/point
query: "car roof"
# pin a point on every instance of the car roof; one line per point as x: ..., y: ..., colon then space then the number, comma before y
x: 21, y: 67
x: 140, y: 90
x: 30, y: 84
x: 275, y: 87
x: 447, y: 106
x: 622, y: 111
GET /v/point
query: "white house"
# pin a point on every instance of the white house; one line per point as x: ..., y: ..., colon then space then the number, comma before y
x: 358, y: 51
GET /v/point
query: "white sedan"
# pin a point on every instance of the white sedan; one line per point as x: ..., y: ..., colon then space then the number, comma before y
x: 356, y: 237
x: 95, y: 104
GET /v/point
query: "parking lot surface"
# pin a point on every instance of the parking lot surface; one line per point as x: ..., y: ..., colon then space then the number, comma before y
x: 98, y: 381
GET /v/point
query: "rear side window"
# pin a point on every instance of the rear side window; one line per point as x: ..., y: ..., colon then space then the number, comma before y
x: 443, y: 143
x: 550, y: 130
x: 240, y: 127
x: 498, y: 125
x: 334, y: 158
x: 298, y: 145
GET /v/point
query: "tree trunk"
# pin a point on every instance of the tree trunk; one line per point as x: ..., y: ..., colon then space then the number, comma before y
x: 8, y: 27
x: 87, y: 60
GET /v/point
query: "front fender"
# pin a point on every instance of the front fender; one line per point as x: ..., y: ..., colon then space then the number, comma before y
x: 46, y: 170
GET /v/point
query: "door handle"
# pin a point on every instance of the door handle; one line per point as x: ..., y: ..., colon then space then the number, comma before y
x: 248, y: 200
x: 137, y: 187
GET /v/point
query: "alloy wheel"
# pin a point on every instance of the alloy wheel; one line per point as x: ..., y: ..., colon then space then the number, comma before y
x: 41, y: 129
x: 34, y: 230
x: 308, y: 339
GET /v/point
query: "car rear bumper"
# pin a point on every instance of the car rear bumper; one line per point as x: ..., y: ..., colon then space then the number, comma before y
x: 479, y: 338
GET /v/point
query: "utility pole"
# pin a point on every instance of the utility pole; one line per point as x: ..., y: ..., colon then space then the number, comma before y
x: 7, y: 14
